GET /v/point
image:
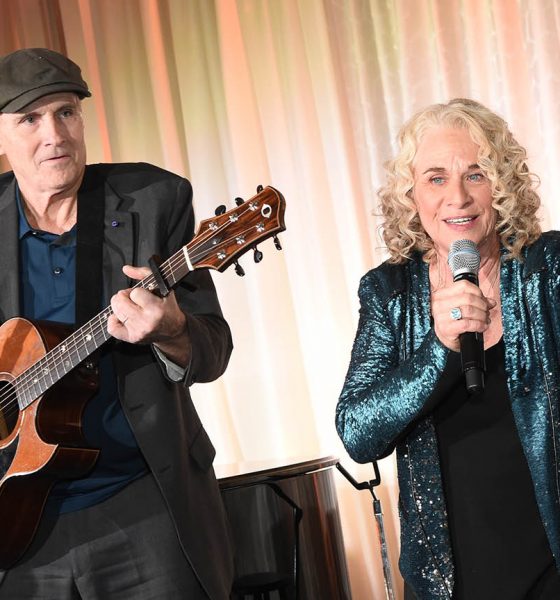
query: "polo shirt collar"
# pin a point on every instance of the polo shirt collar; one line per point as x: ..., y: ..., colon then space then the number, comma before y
x: 24, y: 228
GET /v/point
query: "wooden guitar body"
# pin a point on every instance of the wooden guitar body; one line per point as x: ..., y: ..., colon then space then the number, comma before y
x: 42, y: 442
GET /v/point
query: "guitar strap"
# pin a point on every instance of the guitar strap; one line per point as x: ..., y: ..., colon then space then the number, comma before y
x: 89, y: 249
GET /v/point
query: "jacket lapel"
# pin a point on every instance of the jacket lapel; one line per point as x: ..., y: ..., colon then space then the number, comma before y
x: 119, y: 238
x: 9, y: 255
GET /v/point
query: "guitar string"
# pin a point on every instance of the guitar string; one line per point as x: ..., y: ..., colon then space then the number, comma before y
x: 77, y: 341
x: 169, y: 268
x: 99, y: 327
x: 148, y: 281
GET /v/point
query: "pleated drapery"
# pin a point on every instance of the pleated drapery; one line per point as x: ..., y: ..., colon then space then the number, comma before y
x: 307, y: 96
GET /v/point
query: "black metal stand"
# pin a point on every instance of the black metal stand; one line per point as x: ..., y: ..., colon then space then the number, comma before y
x: 378, y: 513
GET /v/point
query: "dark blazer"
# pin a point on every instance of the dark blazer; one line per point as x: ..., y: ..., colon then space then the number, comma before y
x: 149, y: 211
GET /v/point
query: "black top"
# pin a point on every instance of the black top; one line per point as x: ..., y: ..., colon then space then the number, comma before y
x: 499, y: 544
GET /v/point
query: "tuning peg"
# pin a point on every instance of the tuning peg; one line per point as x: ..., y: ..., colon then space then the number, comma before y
x: 277, y: 243
x: 259, y: 189
x: 258, y: 255
x: 239, y: 269
x: 239, y: 201
x: 220, y: 210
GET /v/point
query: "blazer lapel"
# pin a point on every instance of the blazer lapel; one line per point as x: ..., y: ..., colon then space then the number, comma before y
x: 9, y: 253
x: 119, y: 242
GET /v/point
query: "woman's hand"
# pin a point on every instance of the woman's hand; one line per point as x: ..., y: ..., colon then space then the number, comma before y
x: 475, y: 312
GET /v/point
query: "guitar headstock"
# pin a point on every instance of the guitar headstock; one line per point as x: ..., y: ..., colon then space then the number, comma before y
x: 221, y: 240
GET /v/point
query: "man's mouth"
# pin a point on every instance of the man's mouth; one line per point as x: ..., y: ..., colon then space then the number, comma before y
x: 55, y: 158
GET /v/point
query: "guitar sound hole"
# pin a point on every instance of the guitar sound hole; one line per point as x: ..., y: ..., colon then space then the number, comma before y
x: 9, y: 410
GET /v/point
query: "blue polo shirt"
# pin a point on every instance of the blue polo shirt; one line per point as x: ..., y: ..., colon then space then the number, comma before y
x: 47, y: 276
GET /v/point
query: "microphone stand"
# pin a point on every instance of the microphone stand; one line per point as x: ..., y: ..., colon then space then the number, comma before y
x: 378, y: 513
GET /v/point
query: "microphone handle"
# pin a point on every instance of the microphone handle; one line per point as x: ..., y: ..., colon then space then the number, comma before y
x: 473, y: 360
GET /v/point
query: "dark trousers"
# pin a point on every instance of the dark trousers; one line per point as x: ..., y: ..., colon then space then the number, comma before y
x: 125, y: 548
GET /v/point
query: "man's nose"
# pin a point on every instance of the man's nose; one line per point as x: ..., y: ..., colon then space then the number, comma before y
x: 52, y: 129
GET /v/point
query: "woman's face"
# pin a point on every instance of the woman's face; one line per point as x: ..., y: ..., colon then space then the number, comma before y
x: 451, y: 193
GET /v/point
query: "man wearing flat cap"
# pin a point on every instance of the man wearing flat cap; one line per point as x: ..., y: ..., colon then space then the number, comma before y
x: 134, y: 510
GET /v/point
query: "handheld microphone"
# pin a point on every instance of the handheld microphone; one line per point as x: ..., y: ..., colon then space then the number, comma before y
x: 464, y: 261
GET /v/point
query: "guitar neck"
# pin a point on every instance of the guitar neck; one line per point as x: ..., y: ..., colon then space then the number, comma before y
x: 67, y: 355
x: 218, y: 243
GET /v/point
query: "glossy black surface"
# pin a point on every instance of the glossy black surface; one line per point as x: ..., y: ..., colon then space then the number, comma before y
x: 270, y: 506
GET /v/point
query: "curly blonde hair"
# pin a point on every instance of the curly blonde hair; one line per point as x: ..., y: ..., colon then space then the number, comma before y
x: 501, y: 158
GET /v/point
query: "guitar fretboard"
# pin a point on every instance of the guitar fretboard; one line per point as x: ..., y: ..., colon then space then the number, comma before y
x: 67, y: 355
x: 220, y: 240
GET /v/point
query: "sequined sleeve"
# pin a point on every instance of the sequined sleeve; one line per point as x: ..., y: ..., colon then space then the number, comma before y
x: 383, y: 392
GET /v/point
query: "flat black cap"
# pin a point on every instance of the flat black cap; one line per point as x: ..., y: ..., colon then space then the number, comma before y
x: 31, y: 73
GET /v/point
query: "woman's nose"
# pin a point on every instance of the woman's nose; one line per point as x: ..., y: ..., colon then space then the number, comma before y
x: 457, y: 193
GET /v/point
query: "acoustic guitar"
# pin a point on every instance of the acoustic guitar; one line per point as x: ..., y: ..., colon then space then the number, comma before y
x: 46, y: 378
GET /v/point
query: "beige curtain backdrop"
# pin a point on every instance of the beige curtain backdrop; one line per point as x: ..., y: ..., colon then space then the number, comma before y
x: 307, y: 96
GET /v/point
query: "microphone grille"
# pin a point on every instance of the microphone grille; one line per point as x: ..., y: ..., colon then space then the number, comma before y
x: 463, y: 257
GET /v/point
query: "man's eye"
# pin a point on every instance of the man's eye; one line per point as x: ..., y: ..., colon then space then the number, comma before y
x: 67, y: 113
x: 28, y: 119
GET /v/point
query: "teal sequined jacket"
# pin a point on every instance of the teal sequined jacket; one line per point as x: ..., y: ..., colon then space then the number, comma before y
x: 395, y: 366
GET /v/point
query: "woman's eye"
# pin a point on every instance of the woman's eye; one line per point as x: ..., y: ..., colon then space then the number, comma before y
x: 437, y: 180
x: 475, y: 177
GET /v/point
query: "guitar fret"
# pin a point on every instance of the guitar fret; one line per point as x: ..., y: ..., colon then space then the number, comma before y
x: 57, y: 363
x: 23, y: 398
x: 179, y: 268
x: 20, y: 398
x: 172, y: 279
x: 49, y: 373
x: 88, y: 339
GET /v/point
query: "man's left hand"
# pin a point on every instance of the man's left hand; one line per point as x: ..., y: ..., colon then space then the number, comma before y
x: 141, y: 317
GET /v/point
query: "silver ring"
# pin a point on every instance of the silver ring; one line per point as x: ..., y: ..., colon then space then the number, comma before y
x: 456, y: 314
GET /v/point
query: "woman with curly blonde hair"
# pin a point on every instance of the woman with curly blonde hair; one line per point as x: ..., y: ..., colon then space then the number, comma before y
x: 456, y: 361
x: 501, y: 158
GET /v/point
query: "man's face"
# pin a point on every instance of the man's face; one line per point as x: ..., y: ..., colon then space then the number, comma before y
x: 45, y: 145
